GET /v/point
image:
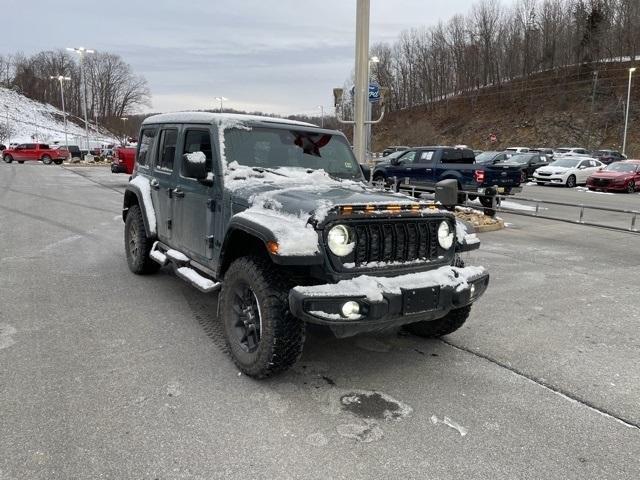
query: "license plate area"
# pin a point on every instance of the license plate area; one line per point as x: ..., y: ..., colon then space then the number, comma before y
x: 418, y: 300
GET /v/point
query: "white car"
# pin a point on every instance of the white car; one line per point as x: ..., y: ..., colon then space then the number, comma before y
x: 570, y: 152
x: 568, y: 171
x: 513, y: 150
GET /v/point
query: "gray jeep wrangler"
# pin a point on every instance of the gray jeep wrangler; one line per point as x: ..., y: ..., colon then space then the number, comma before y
x: 277, y: 217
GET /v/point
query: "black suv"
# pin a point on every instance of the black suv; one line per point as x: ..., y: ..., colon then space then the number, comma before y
x: 277, y: 216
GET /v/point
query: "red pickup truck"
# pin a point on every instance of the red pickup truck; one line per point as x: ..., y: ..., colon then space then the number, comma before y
x: 123, y: 160
x: 37, y: 152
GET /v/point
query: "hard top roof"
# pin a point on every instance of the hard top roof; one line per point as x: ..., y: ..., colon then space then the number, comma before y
x: 206, y: 117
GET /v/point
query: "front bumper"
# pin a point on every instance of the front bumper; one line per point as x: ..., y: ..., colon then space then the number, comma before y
x: 387, y: 301
x: 549, y: 178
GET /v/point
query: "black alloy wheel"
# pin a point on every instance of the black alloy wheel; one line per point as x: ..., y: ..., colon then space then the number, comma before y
x: 246, y: 317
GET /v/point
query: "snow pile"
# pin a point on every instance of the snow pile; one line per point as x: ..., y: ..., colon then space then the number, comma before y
x: 145, y: 189
x: 197, y: 157
x: 373, y: 288
x: 294, y: 235
x: 31, y: 121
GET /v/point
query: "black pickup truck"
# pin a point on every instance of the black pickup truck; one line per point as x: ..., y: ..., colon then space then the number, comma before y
x: 426, y: 166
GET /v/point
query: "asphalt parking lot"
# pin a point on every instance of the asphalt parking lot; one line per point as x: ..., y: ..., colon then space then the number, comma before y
x: 109, y: 375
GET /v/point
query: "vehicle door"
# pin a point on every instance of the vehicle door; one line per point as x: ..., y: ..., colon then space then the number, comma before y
x: 30, y: 152
x: 584, y: 170
x: 424, y: 170
x: 193, y: 221
x: 20, y: 152
x: 402, y: 167
x: 164, y: 180
x: 636, y: 177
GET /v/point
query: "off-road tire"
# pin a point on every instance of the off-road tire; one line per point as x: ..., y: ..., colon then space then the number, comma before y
x: 571, y: 181
x: 137, y: 244
x: 451, y: 322
x: 281, y: 334
x: 8, y: 158
x: 46, y: 159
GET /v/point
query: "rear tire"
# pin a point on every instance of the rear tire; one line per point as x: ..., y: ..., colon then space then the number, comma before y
x: 540, y: 184
x: 21, y: 161
x: 571, y: 181
x: 451, y: 322
x: 46, y: 159
x: 8, y: 158
x: 262, y: 335
x: 58, y: 162
x: 137, y: 244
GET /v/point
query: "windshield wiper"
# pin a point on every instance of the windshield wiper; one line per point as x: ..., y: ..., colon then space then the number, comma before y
x: 262, y: 170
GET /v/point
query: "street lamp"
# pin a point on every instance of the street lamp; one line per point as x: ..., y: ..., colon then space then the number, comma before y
x: 321, y: 107
x: 626, y: 119
x: 83, y: 81
x: 61, y: 79
x: 124, y: 130
x: 221, y: 99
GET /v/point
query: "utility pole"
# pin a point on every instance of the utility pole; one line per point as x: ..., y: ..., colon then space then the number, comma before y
x: 83, y: 82
x: 321, y: 107
x: 363, y: 13
x: 593, y: 101
x: 8, y: 131
x: 221, y: 99
x: 626, y: 118
x: 61, y: 79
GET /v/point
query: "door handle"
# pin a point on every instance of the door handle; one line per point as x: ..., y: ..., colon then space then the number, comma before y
x: 154, y: 184
x: 178, y: 193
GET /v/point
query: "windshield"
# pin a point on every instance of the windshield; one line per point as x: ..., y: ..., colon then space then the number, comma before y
x: 273, y: 148
x: 621, y: 167
x: 566, y: 162
x: 563, y: 150
x: 520, y: 159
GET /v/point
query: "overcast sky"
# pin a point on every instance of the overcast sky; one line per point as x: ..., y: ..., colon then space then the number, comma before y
x: 277, y: 56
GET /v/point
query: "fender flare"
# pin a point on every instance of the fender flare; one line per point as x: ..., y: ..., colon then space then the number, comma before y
x: 133, y: 195
x: 265, y: 234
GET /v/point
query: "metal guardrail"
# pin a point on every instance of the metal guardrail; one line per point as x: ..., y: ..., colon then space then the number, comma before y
x: 633, y: 214
x: 496, y: 206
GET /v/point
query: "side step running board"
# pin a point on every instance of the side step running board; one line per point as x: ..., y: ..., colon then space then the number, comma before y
x: 188, y: 274
x: 203, y: 284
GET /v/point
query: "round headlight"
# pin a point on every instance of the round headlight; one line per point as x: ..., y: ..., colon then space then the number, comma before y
x: 445, y: 236
x: 339, y: 240
x: 350, y: 309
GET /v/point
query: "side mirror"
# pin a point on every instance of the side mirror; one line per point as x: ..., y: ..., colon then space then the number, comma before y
x: 395, y: 161
x: 194, y: 165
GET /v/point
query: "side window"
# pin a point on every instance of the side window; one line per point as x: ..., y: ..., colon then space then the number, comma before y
x: 146, y: 145
x: 199, y: 141
x: 30, y: 146
x: 43, y: 146
x: 167, y: 150
x: 426, y: 156
x: 408, y: 156
x: 584, y: 164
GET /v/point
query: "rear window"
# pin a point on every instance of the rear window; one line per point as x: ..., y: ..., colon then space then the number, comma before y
x: 44, y: 146
x: 458, y: 155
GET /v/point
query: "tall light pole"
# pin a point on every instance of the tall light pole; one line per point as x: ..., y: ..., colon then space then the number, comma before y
x: 221, y: 99
x: 363, y: 13
x: 375, y: 60
x: 61, y: 79
x: 83, y: 81
x: 626, y: 118
x: 321, y: 107
x: 124, y: 130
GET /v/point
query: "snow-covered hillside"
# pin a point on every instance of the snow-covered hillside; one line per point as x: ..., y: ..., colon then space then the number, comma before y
x: 31, y: 121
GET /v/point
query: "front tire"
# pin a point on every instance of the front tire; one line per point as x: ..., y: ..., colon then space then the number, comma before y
x: 137, y: 244
x: 46, y: 159
x: 8, y: 158
x: 262, y: 335
x: 571, y: 181
x: 540, y: 184
x: 631, y: 188
x: 451, y: 322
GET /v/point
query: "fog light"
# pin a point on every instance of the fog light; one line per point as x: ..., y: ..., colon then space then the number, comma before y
x: 473, y: 290
x: 350, y: 309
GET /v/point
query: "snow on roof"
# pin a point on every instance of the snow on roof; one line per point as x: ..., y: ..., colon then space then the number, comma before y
x: 206, y: 117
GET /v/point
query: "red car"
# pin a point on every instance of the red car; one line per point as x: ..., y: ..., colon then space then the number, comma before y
x: 123, y: 160
x: 621, y: 176
x: 35, y: 152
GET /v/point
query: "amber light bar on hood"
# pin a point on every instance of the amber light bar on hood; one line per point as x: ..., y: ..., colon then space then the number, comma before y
x: 372, y: 208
